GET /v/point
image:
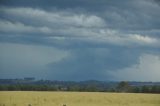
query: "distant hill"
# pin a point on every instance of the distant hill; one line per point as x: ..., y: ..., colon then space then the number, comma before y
x: 89, y: 85
x: 65, y: 83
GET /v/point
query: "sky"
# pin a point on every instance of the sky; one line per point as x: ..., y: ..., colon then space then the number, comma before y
x: 77, y: 40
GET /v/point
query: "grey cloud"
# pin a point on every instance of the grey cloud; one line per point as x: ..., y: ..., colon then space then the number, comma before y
x: 100, y: 36
x: 64, y: 25
x: 135, y: 15
x: 20, y: 60
x: 130, y: 15
x: 93, y: 63
x: 148, y: 67
x: 54, y: 18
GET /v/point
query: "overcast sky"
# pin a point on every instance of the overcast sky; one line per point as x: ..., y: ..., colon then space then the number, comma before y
x: 80, y: 39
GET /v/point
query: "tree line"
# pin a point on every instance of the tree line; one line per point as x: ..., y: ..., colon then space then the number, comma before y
x: 120, y: 87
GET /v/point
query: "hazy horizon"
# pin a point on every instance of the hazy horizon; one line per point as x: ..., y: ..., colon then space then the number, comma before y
x: 77, y: 40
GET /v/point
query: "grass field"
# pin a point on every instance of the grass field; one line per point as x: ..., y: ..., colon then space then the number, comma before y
x: 18, y: 98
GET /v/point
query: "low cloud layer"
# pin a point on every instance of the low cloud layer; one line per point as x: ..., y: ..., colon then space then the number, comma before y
x: 99, y: 37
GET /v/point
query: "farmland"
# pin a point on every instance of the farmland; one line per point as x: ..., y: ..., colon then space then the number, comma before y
x: 29, y: 98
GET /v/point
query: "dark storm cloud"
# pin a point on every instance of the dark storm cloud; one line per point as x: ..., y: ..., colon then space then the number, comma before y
x: 94, y: 63
x: 66, y: 25
x: 133, y: 14
x: 99, y: 36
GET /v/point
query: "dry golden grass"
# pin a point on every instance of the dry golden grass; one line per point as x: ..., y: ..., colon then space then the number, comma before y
x: 20, y: 98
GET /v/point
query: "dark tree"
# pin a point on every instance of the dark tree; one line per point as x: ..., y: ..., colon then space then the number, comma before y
x: 123, y: 86
x: 145, y: 89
